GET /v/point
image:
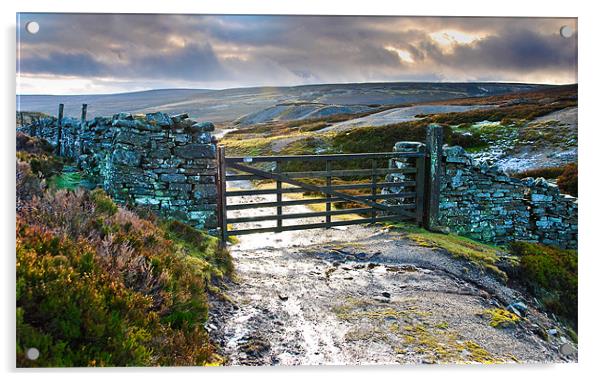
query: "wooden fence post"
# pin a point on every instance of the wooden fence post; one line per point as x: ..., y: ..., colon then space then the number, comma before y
x: 374, y: 180
x: 434, y: 155
x: 328, y: 218
x: 420, y: 187
x: 221, y: 193
x: 82, y: 121
x: 84, y: 112
x: 59, y: 134
x: 278, y: 198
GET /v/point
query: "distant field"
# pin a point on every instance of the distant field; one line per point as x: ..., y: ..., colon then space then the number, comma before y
x: 228, y: 105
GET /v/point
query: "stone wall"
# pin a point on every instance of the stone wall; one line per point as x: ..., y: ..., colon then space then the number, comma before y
x: 166, y: 163
x: 482, y: 203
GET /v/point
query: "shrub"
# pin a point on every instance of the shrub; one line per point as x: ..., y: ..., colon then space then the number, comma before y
x: 28, y: 184
x: 378, y: 139
x: 31, y: 144
x: 97, y: 285
x: 507, y: 113
x: 42, y: 164
x: 103, y: 203
x: 568, y: 180
x: 72, y: 311
x: 467, y: 140
x: 550, y: 274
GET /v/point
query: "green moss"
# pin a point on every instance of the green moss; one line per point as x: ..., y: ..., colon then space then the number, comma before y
x: 549, y: 133
x: 380, y: 138
x: 201, y: 245
x: 550, y: 274
x: 500, y: 318
x: 357, y: 309
x: 482, y: 255
x: 406, y: 329
x: 444, y: 347
x: 248, y: 146
x: 442, y: 325
x: 68, y: 181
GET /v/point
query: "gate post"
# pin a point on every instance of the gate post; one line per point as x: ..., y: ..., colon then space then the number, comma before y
x: 84, y: 113
x: 221, y: 194
x: 278, y: 198
x: 80, y: 131
x: 433, y: 167
x: 328, y: 218
x: 59, y: 134
x: 420, y: 186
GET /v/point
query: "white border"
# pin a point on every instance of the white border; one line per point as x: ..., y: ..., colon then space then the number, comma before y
x: 589, y: 138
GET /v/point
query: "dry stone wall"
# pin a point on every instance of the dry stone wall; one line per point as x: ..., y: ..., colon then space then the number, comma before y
x: 166, y: 163
x: 481, y: 202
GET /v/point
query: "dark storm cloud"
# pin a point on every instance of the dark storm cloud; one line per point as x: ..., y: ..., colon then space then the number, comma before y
x: 518, y: 49
x: 71, y: 64
x: 218, y: 51
x: 196, y: 62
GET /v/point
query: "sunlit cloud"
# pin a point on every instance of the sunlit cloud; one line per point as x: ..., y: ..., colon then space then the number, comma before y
x: 115, y: 53
x: 447, y: 39
x: 403, y: 54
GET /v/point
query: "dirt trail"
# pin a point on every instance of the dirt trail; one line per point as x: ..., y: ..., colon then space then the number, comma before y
x: 365, y: 295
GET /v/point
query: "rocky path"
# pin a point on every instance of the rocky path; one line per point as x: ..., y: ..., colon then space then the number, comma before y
x: 365, y: 295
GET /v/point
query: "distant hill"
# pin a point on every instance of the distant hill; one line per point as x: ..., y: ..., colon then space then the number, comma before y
x: 231, y: 104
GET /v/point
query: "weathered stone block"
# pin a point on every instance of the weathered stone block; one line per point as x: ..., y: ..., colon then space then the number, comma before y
x: 180, y: 187
x: 128, y: 136
x: 173, y: 177
x: 160, y: 119
x: 195, y: 151
x: 126, y: 157
x: 201, y: 127
x: 160, y: 153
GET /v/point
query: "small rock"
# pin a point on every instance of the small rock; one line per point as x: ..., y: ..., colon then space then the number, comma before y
x: 514, y: 310
x: 522, y: 307
x: 552, y: 332
x: 409, y: 268
x: 381, y: 299
x: 567, y: 349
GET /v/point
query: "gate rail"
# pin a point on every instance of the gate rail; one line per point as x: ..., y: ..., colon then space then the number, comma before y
x: 241, y: 168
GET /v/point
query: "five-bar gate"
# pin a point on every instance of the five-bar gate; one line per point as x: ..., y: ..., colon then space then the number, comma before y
x: 340, y: 189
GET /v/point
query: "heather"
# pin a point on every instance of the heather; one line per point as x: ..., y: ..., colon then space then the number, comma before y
x: 101, y: 285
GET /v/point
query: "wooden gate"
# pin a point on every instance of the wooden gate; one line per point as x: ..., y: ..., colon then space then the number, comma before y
x: 344, y: 186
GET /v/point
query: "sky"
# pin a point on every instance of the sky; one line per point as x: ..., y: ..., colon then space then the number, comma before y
x: 108, y: 53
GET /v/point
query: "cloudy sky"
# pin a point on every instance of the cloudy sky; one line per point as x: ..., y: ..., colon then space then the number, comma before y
x: 104, y: 53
